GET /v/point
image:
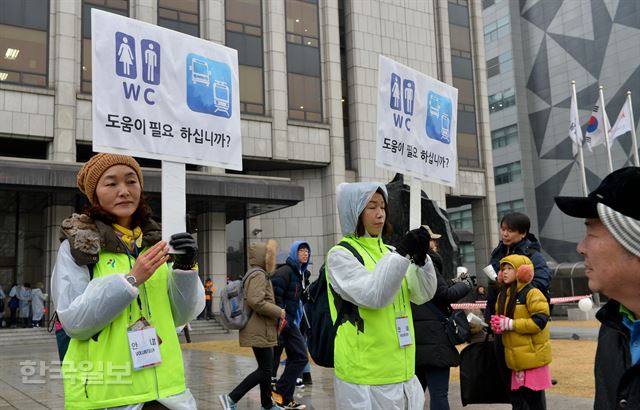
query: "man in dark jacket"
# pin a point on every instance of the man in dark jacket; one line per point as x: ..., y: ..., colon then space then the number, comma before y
x: 515, y: 238
x: 435, y: 354
x: 288, y: 286
x: 611, y: 250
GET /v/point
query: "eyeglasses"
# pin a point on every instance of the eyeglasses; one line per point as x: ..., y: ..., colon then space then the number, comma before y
x: 304, y: 250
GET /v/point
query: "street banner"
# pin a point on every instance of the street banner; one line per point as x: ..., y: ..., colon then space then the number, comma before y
x: 161, y: 94
x: 417, y: 118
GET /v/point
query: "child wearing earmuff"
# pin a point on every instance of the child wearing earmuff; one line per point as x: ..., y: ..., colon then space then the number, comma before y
x: 522, y: 315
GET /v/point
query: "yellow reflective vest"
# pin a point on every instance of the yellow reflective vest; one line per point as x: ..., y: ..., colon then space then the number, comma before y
x: 98, y: 372
x: 374, y: 357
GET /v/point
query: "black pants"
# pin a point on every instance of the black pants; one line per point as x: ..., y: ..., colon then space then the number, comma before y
x: 296, y: 350
x: 527, y: 399
x: 523, y: 398
x: 13, y: 318
x: 208, y: 314
x: 436, y: 379
x: 261, y: 376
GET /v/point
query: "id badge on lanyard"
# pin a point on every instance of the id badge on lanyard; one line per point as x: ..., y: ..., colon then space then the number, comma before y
x: 403, y: 329
x: 144, y: 345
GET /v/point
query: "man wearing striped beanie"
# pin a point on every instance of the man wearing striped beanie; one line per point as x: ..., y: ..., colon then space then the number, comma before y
x: 611, y: 251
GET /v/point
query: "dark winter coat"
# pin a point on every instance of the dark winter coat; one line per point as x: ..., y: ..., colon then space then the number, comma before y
x: 287, y: 286
x: 617, y: 382
x: 529, y: 247
x: 433, y: 347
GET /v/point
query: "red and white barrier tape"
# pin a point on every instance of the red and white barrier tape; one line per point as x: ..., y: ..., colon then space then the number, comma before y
x: 483, y: 303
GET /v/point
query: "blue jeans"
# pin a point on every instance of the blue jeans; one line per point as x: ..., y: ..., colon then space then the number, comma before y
x: 436, y: 379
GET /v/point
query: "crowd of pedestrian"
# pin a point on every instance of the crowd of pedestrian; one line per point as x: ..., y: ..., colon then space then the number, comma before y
x: 120, y: 295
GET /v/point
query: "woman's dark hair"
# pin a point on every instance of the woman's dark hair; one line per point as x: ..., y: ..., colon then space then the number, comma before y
x: 387, y: 229
x: 139, y: 217
x: 502, y: 299
x: 517, y: 222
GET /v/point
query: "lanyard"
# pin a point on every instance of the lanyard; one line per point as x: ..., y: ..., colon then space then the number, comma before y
x: 142, y: 287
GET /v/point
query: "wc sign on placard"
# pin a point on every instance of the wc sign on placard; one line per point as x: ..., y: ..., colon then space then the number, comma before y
x: 161, y: 94
x: 416, y: 124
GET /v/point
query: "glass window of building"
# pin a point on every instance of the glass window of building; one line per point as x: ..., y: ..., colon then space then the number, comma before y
x: 497, y: 29
x: 180, y: 15
x: 506, y: 173
x: 235, y: 236
x: 509, y: 207
x: 501, y: 64
x: 24, y: 42
x: 462, y: 71
x: 348, y: 163
x: 461, y: 220
x: 120, y: 7
x: 487, y: 3
x: 244, y: 33
x: 303, y: 60
x: 504, y: 136
x: 467, y: 254
x: 500, y: 101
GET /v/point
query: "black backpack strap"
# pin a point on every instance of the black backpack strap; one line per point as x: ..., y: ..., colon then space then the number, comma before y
x: 347, y: 311
x: 521, y: 297
x: 438, y: 312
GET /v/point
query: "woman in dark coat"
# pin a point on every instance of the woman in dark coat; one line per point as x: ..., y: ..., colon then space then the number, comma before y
x: 435, y: 354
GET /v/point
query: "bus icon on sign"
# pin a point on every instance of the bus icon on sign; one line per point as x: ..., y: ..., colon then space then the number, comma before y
x: 439, y: 111
x: 200, y: 73
x: 209, y: 86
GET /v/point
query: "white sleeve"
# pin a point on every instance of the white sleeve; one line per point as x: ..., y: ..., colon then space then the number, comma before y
x: 422, y: 282
x: 85, y: 307
x: 186, y: 294
x: 353, y: 282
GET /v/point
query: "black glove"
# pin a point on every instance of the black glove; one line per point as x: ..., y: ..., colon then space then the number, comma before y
x: 470, y: 281
x: 415, y: 243
x: 184, y: 242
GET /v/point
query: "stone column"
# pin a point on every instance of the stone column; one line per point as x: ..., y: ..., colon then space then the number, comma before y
x: 53, y: 217
x: 212, y: 245
x: 66, y: 66
x: 275, y: 69
x: 485, y: 225
x: 334, y: 174
x: 145, y: 10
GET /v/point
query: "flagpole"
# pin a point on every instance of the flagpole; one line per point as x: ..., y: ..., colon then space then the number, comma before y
x: 606, y: 129
x: 634, y: 142
x: 582, y: 172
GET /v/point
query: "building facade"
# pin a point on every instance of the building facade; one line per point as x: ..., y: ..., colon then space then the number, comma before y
x: 308, y: 90
x: 534, y: 49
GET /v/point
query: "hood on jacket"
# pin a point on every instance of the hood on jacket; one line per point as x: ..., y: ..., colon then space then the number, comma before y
x: 293, y: 255
x: 352, y: 199
x: 522, y: 265
x: 263, y: 255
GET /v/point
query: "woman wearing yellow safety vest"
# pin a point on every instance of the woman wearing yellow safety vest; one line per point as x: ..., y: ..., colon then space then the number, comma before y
x: 119, y: 300
x: 374, y: 354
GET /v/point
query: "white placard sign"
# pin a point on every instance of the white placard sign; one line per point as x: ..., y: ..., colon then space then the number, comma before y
x: 161, y: 94
x: 417, y: 118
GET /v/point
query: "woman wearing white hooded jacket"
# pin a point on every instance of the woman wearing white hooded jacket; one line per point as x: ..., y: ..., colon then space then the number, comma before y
x: 374, y: 354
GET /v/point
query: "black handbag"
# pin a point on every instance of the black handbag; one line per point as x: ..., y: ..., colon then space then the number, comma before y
x: 456, y: 326
x: 480, y: 377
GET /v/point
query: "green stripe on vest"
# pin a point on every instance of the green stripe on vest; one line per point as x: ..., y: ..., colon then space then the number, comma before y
x: 99, y: 374
x: 375, y: 356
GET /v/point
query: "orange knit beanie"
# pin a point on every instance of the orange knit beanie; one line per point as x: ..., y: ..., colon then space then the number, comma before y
x: 93, y: 169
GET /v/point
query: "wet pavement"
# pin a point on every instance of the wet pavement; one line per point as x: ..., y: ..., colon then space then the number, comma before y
x: 30, y: 380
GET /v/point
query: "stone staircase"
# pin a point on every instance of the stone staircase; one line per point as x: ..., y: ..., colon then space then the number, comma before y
x: 200, y: 330
x: 26, y: 336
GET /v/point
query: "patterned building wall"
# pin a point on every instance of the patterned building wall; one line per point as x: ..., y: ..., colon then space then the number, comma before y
x: 593, y: 42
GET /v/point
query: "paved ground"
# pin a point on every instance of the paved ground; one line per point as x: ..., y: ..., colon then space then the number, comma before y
x: 208, y: 374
